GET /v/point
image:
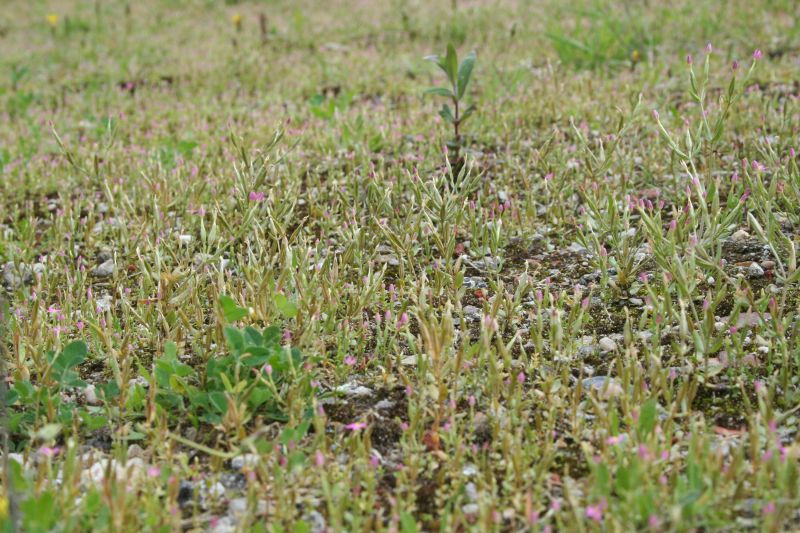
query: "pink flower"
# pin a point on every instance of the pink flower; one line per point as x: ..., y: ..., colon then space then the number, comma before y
x: 689, y: 59
x: 555, y: 505
x: 595, y: 513
x: 521, y: 377
x: 402, y: 321
x: 257, y: 196
x: 757, y: 54
x: 768, y: 509
x: 356, y: 426
x: 268, y: 369
x: 153, y: 471
x: 349, y: 360
x: 48, y: 451
x: 643, y: 452
x: 319, y: 459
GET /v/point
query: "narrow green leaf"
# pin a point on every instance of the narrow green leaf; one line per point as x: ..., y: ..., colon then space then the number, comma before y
x: 439, y: 91
x: 466, y: 114
x: 446, y: 113
x: 464, y: 73
x: 451, y: 65
x: 647, y: 417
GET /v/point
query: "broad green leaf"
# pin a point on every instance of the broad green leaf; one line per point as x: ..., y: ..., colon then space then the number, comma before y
x: 272, y: 336
x: 252, y: 336
x: 231, y: 311
x: 235, y: 338
x: 286, y: 307
x: 74, y: 354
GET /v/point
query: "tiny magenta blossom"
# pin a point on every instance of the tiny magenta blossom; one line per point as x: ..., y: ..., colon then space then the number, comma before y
x: 257, y: 196
x: 403, y: 320
x: 350, y: 360
x: 757, y: 54
x: 356, y: 426
x: 594, y: 513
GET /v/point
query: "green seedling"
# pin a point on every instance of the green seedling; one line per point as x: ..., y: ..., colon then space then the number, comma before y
x: 458, y: 76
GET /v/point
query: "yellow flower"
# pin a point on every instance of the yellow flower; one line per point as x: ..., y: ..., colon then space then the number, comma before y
x: 3, y: 508
x: 52, y: 20
x: 635, y: 56
x: 236, y: 18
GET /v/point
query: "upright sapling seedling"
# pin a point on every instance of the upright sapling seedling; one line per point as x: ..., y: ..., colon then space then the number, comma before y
x: 458, y: 76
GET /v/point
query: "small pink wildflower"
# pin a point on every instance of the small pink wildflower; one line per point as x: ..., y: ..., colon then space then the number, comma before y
x: 356, y: 426
x: 595, y: 513
x: 257, y: 196
x: 47, y: 451
x: 402, y: 321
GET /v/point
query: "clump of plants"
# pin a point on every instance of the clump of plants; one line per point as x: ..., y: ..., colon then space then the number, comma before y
x: 252, y: 380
